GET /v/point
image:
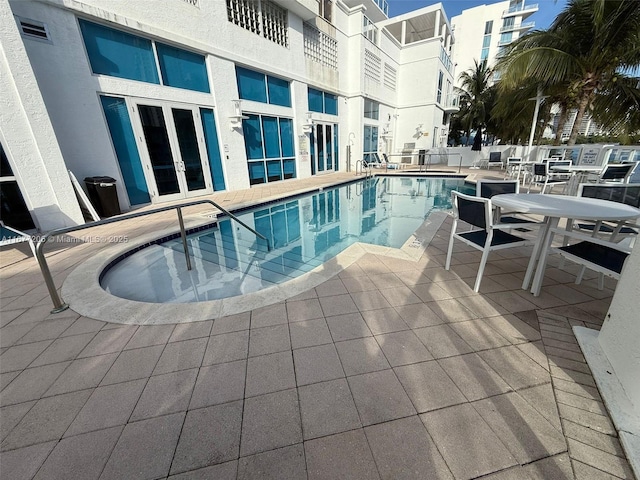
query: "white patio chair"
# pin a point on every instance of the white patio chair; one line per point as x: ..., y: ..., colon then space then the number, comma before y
x: 10, y: 235
x: 602, y: 256
x: 486, y: 236
x: 616, y: 172
x: 487, y: 188
x: 627, y: 193
x: 543, y: 178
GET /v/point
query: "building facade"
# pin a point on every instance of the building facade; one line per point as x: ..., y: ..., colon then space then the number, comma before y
x: 202, y: 96
x: 483, y: 32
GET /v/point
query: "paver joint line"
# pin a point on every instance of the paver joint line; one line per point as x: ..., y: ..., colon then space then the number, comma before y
x: 383, y: 326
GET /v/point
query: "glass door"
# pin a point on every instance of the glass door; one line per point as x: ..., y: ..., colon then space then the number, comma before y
x: 13, y: 210
x: 323, y: 148
x: 173, y: 151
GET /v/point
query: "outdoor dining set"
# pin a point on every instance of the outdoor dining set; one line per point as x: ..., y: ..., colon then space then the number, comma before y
x: 600, y: 208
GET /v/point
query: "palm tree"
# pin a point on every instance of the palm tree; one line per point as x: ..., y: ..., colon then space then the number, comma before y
x: 476, y: 96
x: 587, y: 49
x: 513, y: 110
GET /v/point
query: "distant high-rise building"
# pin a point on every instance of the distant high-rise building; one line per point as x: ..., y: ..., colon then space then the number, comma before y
x: 482, y: 32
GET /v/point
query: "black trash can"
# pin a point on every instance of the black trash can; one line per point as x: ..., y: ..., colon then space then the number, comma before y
x: 103, y: 195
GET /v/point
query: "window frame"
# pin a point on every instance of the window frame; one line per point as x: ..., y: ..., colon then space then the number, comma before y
x: 324, y: 96
x: 266, y: 86
x: 156, y: 59
x: 265, y: 160
x: 375, y: 112
x: 373, y: 139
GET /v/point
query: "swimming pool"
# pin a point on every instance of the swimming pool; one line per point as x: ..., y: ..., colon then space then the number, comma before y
x: 304, y: 232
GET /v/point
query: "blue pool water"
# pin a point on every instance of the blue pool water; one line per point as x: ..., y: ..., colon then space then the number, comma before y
x: 304, y: 232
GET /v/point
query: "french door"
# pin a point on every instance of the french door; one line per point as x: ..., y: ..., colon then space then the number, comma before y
x: 173, y: 150
x: 323, y: 148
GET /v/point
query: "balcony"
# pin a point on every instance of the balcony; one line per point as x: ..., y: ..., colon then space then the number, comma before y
x: 451, y: 103
x: 305, y: 9
x: 445, y: 59
x: 514, y: 28
x: 520, y: 10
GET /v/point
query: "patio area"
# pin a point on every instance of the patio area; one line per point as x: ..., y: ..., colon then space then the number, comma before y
x: 391, y: 369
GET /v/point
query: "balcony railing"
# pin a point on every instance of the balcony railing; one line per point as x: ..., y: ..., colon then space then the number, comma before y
x: 522, y: 26
x: 384, y: 6
x: 445, y: 59
x: 451, y: 103
x: 520, y: 8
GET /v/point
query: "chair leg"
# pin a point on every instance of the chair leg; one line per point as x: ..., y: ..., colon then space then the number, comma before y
x: 580, y: 275
x: 447, y: 264
x: 601, y: 281
x: 483, y: 262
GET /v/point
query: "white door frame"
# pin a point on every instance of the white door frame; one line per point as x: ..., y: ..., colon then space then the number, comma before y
x: 332, y: 146
x: 167, y: 107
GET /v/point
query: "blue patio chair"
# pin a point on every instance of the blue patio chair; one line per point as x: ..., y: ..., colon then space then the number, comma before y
x: 495, y: 160
x: 372, y: 160
x: 616, y: 172
x: 389, y: 165
x: 486, y: 236
x: 602, y: 256
x: 10, y: 235
x: 543, y: 178
x: 513, y: 168
x: 487, y: 188
x: 627, y: 193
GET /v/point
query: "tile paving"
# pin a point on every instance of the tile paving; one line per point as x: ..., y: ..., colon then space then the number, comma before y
x: 392, y: 369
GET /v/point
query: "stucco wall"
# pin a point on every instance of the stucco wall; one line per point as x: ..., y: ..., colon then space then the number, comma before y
x: 71, y: 92
x: 28, y: 137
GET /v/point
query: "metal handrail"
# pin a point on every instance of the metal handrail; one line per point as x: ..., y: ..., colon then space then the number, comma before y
x: 59, y: 305
x: 367, y: 173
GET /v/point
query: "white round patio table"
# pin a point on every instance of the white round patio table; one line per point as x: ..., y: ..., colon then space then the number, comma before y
x: 553, y: 208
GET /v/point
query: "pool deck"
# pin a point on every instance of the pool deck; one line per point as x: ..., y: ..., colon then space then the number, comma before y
x: 390, y: 368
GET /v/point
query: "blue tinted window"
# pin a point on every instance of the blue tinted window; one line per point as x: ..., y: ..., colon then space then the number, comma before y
x: 252, y: 137
x: 371, y: 109
x: 330, y: 104
x: 251, y: 85
x: 256, y: 173
x: 119, y: 54
x: 278, y: 91
x: 271, y: 137
x: 182, y: 69
x: 293, y: 224
x: 269, y: 143
x: 289, y: 168
x: 286, y: 137
x: 213, y: 148
x: 274, y: 170
x: 124, y: 143
x: 315, y: 100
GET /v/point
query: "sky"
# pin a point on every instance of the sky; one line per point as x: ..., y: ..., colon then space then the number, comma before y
x: 547, y: 9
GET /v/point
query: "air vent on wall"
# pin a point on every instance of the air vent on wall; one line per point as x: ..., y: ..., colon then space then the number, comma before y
x: 33, y: 29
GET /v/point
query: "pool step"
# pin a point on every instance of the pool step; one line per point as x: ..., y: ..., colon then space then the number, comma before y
x: 249, y: 258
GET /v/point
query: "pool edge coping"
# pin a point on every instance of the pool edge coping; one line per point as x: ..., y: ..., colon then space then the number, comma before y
x: 84, y: 295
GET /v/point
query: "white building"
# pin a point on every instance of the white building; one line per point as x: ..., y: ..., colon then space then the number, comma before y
x: 484, y: 31
x: 200, y: 96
